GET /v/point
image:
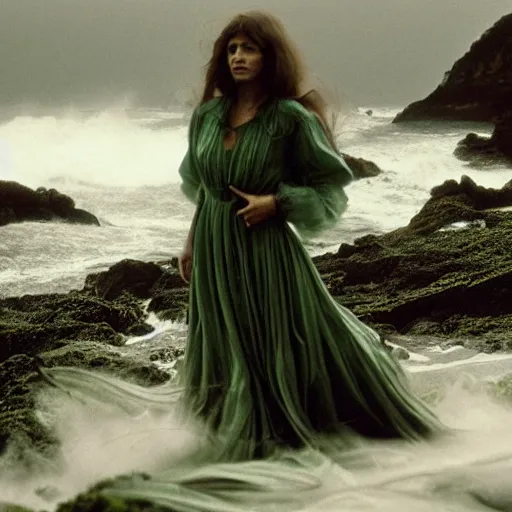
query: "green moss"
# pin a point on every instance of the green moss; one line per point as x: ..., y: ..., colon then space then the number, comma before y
x: 94, y: 500
x: 8, y: 507
x: 465, y: 275
x: 35, y: 323
x: 20, y: 427
x: 32, y: 339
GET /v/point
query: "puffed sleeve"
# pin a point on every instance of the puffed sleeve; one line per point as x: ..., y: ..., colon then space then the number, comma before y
x: 315, y: 198
x: 190, y: 182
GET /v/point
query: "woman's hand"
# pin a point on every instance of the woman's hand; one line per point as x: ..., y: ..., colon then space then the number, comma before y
x: 258, y: 209
x: 185, y: 263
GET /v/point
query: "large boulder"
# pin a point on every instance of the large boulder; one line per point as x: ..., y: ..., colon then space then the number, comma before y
x: 502, y: 135
x: 19, y: 203
x: 496, y: 149
x: 479, y: 85
x: 127, y: 276
x: 169, y: 297
x: 362, y: 168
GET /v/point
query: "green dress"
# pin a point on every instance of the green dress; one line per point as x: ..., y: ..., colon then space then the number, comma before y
x: 272, y: 359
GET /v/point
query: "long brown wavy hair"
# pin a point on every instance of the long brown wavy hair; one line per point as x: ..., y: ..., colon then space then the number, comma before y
x: 283, y: 73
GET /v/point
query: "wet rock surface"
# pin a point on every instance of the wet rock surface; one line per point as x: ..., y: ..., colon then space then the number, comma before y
x: 86, y: 328
x: 20, y: 428
x: 430, y: 277
x: 488, y: 151
x: 362, y: 168
x: 127, y: 276
x: 19, y: 203
x: 445, y: 279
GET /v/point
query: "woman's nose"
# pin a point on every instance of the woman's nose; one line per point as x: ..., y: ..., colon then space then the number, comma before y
x: 239, y: 55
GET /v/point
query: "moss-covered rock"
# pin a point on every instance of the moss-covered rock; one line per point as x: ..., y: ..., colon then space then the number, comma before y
x: 169, y: 297
x: 124, y: 362
x: 85, y: 329
x: 35, y: 323
x: 20, y: 380
x: 17, y: 408
x: 94, y: 501
x: 170, y: 305
x: 456, y: 281
x: 33, y: 339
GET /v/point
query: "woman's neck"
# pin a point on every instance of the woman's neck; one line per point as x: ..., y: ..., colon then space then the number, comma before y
x: 250, y: 95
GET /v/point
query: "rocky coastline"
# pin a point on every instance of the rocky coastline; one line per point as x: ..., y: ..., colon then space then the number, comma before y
x: 478, y: 88
x: 479, y: 85
x: 429, y: 282
x: 444, y: 279
x: 431, y: 278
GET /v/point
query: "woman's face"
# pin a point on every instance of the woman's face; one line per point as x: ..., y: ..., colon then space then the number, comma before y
x: 245, y: 59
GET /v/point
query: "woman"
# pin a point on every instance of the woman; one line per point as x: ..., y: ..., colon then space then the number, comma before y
x: 272, y: 360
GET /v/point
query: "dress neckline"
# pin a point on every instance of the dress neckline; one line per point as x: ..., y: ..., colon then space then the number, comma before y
x: 223, y: 117
x: 224, y: 112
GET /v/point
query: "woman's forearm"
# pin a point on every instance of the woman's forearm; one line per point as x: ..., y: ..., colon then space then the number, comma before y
x: 190, y: 236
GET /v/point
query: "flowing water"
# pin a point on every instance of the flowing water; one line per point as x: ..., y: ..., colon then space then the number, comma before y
x: 121, y: 164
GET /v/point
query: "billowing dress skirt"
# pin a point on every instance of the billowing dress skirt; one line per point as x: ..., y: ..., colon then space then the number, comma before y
x: 272, y: 359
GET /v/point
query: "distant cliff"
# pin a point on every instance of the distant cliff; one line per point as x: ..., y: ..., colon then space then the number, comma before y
x: 478, y: 87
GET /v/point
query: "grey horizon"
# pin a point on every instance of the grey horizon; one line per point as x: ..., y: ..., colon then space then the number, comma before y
x: 371, y: 53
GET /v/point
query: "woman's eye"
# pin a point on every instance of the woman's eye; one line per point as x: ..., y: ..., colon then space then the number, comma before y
x: 232, y: 48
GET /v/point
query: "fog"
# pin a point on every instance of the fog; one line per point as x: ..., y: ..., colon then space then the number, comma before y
x: 369, y: 52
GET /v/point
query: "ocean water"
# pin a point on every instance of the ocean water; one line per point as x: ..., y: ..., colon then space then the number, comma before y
x: 121, y: 164
x: 471, y: 470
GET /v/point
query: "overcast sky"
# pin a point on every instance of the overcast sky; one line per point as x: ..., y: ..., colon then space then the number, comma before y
x: 371, y: 52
